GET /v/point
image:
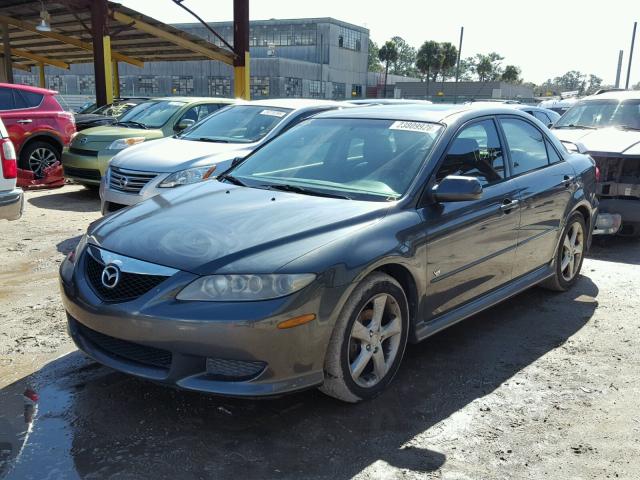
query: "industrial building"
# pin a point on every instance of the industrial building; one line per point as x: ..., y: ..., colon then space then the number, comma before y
x: 312, y: 58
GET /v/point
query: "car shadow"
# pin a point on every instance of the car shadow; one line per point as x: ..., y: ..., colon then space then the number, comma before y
x: 65, y: 246
x: 105, y: 424
x: 611, y: 248
x: 83, y: 200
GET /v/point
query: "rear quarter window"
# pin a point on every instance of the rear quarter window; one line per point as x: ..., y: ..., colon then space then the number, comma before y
x: 31, y: 99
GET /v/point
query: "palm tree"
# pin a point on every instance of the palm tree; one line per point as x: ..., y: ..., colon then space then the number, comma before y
x: 428, y: 59
x: 448, y: 58
x: 387, y: 54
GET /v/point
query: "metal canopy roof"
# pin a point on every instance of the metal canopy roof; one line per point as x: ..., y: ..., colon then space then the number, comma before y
x: 135, y: 38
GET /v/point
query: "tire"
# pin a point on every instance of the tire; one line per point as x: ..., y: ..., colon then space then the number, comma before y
x: 566, y: 275
x: 371, y: 346
x: 38, y: 155
x: 91, y: 187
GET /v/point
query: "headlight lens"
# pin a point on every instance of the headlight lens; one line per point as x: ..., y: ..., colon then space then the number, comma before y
x: 123, y: 143
x: 69, y: 263
x: 188, y: 176
x: 244, y: 288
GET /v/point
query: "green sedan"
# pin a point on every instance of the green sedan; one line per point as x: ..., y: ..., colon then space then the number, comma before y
x: 88, y: 155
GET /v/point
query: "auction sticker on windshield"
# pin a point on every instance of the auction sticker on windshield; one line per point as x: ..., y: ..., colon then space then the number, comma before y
x: 414, y: 126
x: 273, y: 113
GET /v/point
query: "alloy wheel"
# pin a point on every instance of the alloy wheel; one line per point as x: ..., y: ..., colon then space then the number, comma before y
x: 572, y: 250
x: 374, y: 341
x: 40, y: 159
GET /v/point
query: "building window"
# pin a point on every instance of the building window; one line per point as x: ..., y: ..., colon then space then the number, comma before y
x: 219, y: 86
x: 87, y: 84
x: 283, y: 35
x: 315, y: 89
x: 292, y: 87
x: 31, y: 80
x: 147, y: 85
x: 259, y: 87
x: 356, y: 91
x: 349, y: 39
x: 54, y: 82
x: 338, y: 91
x: 181, y: 85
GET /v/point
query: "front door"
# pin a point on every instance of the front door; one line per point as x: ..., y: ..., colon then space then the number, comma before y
x: 471, y: 245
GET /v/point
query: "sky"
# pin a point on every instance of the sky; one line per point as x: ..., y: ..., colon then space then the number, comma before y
x: 544, y: 38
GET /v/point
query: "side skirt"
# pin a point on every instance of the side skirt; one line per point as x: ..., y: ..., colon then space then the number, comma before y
x: 425, y: 329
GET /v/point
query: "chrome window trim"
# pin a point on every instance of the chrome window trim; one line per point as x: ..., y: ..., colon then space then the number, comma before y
x: 128, y: 264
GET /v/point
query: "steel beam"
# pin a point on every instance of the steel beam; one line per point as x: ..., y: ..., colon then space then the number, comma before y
x: 241, y: 64
x: 8, y: 71
x: 39, y: 58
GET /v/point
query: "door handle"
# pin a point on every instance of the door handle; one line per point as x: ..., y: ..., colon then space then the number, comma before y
x: 508, y: 205
x: 569, y: 180
x: 25, y: 121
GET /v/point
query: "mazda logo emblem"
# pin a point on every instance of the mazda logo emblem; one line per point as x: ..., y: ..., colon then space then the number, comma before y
x: 110, y: 276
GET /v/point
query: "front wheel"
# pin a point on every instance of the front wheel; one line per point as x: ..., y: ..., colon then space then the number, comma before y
x: 38, y: 156
x: 368, y: 340
x: 570, y: 255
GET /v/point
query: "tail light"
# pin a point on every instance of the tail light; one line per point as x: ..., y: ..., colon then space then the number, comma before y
x: 8, y: 156
x: 597, y: 173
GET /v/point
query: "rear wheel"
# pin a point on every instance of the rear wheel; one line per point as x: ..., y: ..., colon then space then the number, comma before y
x: 570, y: 255
x: 37, y: 156
x: 368, y: 340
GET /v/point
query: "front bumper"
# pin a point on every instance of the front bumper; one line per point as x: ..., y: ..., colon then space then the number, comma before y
x: 196, y: 335
x: 88, y: 168
x: 11, y: 204
x: 112, y: 200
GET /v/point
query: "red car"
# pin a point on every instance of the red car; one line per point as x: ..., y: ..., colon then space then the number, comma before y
x: 37, y: 125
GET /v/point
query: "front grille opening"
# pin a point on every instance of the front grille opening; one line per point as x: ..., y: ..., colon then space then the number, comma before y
x: 233, y: 370
x: 129, y: 182
x: 134, y: 352
x: 130, y: 286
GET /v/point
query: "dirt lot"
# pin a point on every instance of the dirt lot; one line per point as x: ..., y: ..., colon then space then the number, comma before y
x: 543, y: 386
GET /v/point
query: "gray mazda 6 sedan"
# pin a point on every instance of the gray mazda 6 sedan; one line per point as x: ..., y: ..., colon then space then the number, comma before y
x: 312, y: 262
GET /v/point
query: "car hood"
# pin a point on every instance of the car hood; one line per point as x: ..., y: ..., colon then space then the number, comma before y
x: 99, y: 138
x: 214, y: 227
x: 172, y: 154
x: 613, y: 140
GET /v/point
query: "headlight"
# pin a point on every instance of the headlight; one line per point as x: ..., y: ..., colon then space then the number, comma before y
x: 188, y: 176
x: 122, y: 143
x: 69, y: 263
x: 238, y: 288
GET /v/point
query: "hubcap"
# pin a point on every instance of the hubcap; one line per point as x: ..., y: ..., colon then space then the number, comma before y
x: 572, y: 248
x: 375, y: 340
x: 40, y: 159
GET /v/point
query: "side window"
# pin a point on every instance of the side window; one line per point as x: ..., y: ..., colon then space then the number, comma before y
x: 526, y: 145
x: 475, y: 152
x: 197, y: 113
x: 304, y: 116
x: 32, y: 99
x: 6, y: 99
x: 553, y: 155
x: 18, y: 101
x: 542, y: 117
x: 206, y: 110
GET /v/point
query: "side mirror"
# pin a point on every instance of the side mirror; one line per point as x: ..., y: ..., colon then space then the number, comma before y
x: 550, y: 125
x: 457, y: 189
x: 184, y: 124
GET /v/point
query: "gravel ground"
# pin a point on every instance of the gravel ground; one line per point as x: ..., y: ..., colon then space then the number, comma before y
x: 543, y: 386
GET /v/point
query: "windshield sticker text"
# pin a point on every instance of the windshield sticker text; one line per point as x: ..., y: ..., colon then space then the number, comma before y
x: 413, y: 126
x: 272, y: 113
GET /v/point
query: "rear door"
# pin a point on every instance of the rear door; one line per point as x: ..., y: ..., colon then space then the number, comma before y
x: 471, y: 245
x: 546, y: 183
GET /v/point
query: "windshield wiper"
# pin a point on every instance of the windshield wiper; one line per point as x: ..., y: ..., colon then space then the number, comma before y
x: 135, y: 124
x: 231, y: 179
x: 303, y: 191
x: 573, y: 125
x: 209, y: 139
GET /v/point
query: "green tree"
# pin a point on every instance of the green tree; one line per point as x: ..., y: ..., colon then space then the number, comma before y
x: 406, y: 62
x: 388, y: 54
x: 428, y: 60
x: 483, y: 68
x: 373, y: 63
x: 595, y: 84
x: 511, y: 74
x: 467, y: 68
x: 448, y: 59
x: 572, y: 80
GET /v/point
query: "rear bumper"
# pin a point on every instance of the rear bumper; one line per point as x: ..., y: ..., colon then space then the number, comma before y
x: 11, y: 204
x: 629, y: 211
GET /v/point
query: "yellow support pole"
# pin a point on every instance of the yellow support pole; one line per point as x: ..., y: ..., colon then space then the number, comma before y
x: 108, y: 74
x: 43, y: 83
x: 116, y: 80
x: 241, y: 77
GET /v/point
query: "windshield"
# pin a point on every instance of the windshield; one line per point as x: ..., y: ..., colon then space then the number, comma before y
x: 151, y: 114
x: 602, y: 113
x: 238, y: 124
x: 114, y: 109
x: 355, y: 158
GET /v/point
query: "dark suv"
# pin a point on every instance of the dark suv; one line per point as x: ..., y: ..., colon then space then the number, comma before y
x: 37, y: 125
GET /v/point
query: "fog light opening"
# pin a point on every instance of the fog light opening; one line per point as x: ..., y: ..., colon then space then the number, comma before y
x: 297, y: 321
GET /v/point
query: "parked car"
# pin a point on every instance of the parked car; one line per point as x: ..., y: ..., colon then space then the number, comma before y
x: 11, y: 197
x: 315, y: 260
x: 607, y: 126
x: 88, y: 156
x: 560, y: 106
x: 203, y: 151
x: 546, y: 116
x: 389, y: 101
x: 38, y: 126
x: 107, y: 114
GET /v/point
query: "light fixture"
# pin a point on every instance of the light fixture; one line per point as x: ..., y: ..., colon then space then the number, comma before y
x: 45, y: 20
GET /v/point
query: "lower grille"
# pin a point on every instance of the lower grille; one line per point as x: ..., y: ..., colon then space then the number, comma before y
x: 150, y: 356
x: 114, y: 207
x: 130, y: 286
x: 225, y: 369
x: 129, y: 181
x: 85, y: 173
x: 82, y: 151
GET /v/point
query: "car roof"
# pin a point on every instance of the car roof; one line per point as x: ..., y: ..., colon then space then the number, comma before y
x: 29, y: 88
x: 389, y: 101
x: 615, y: 95
x: 196, y: 99
x: 294, y: 103
x: 417, y: 113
